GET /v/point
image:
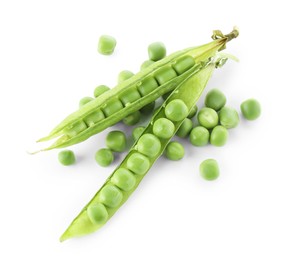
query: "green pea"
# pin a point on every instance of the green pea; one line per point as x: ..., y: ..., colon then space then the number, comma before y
x: 124, y: 75
x: 219, y: 135
x: 84, y: 101
x: 112, y: 107
x: 156, y: 51
x: 66, y: 157
x: 147, y: 85
x: 99, y: 90
x: 94, y: 117
x: 209, y: 169
x: 199, y: 136
x: 183, y: 64
x: 129, y: 96
x: 138, y: 163
x: 106, y: 44
x: 132, y: 119
x: 149, y: 145
x: 229, y: 117
x: 136, y: 132
x: 215, y: 99
x: 163, y: 128
x: 116, y: 141
x: 176, y: 110
x: 165, y: 74
x: 146, y: 64
x: 123, y: 179
x: 193, y: 112
x: 147, y: 109
x: 208, y: 117
x: 251, y: 109
x: 185, y: 128
x: 97, y: 213
x: 174, y: 151
x: 110, y: 196
x: 104, y: 157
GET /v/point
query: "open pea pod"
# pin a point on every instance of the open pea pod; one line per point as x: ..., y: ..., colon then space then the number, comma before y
x: 134, y: 93
x: 127, y: 176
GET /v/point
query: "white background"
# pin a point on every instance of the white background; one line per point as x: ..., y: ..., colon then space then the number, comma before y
x: 49, y: 60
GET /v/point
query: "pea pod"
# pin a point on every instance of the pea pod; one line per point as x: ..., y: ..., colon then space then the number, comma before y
x: 134, y: 93
x: 138, y: 160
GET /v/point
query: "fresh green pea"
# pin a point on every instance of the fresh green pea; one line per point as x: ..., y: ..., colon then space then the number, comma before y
x: 219, y: 135
x: 84, y: 101
x: 137, y: 132
x: 183, y: 64
x: 208, y: 117
x: 251, y: 109
x: 193, y: 112
x: 163, y: 128
x: 104, y: 157
x: 97, y: 213
x: 176, y: 110
x: 110, y: 196
x: 209, y: 169
x: 132, y: 119
x: 165, y: 74
x: 199, y: 136
x: 174, y: 151
x: 112, y: 107
x: 124, y: 75
x: 116, y: 141
x: 99, y: 90
x: 129, y: 96
x: 156, y: 51
x: 149, y: 145
x: 147, y: 109
x: 229, y: 117
x: 66, y: 157
x: 106, y: 44
x: 146, y: 64
x: 123, y: 179
x: 215, y: 99
x: 138, y: 163
x: 185, y: 128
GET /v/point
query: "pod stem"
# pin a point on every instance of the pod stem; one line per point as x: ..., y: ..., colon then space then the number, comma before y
x: 217, y: 34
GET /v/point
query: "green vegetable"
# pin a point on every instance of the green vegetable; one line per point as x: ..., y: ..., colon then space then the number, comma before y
x: 66, y: 157
x: 106, y: 44
x: 251, y: 109
x: 123, y: 179
x: 149, y: 145
x: 229, y: 117
x: 219, y: 136
x: 110, y: 196
x: 97, y: 213
x: 163, y: 128
x: 124, y: 75
x: 215, y: 99
x: 84, y: 101
x: 104, y: 157
x: 185, y: 128
x: 209, y: 169
x: 156, y: 51
x: 136, y: 132
x: 176, y: 110
x: 132, y: 119
x: 138, y: 163
x: 99, y: 90
x: 208, y: 117
x: 174, y: 151
x: 199, y: 136
x: 146, y: 64
x: 116, y: 141
x: 193, y: 112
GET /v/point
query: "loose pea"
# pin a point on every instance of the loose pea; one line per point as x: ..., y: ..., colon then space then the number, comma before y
x: 185, y: 128
x: 132, y: 119
x: 66, y: 157
x: 116, y: 141
x: 208, y: 117
x: 163, y: 128
x: 229, y: 117
x: 193, y: 112
x: 209, y: 169
x: 215, y: 99
x: 106, y: 44
x: 124, y: 75
x: 199, y: 136
x: 136, y: 132
x: 149, y: 145
x: 104, y: 157
x: 84, y: 101
x: 156, y: 51
x: 110, y: 196
x: 99, y: 90
x: 147, y: 109
x: 123, y: 179
x: 176, y: 110
x: 251, y: 109
x: 174, y: 151
x: 138, y: 163
x: 219, y: 135
x: 146, y: 64
x: 97, y: 213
